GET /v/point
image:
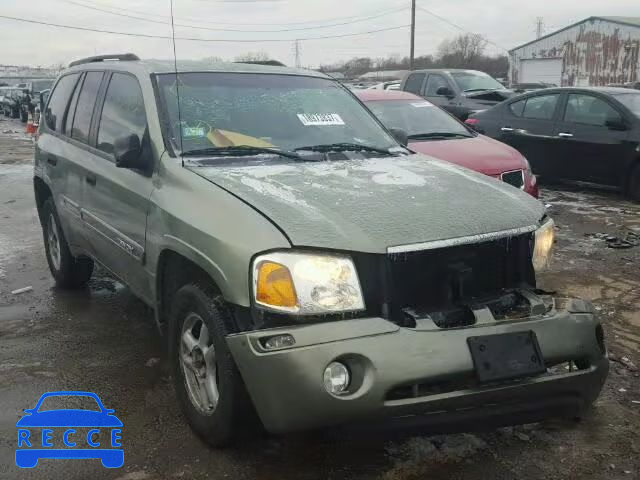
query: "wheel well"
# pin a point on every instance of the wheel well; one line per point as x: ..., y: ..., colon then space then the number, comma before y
x: 627, y: 184
x: 42, y: 192
x: 174, y: 271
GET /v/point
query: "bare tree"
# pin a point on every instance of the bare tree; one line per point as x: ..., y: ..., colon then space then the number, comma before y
x: 252, y: 57
x: 212, y: 60
x: 463, y: 50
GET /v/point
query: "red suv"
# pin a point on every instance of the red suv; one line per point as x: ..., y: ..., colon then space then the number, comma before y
x: 434, y: 132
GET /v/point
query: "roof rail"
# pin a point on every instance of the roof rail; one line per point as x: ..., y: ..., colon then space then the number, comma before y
x: 123, y: 57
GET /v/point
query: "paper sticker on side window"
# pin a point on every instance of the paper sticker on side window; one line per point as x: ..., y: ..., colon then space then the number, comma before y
x: 422, y: 104
x: 308, y: 119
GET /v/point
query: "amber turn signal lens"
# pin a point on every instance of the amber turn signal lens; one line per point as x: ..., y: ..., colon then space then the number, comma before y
x: 275, y: 286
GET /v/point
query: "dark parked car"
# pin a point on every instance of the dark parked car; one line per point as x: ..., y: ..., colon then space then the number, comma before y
x: 461, y: 92
x: 585, y: 134
x: 11, y: 102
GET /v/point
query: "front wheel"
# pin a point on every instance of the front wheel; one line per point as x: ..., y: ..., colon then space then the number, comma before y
x: 207, y: 382
x: 68, y: 271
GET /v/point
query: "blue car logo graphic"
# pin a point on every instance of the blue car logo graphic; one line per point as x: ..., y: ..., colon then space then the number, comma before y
x: 31, y: 447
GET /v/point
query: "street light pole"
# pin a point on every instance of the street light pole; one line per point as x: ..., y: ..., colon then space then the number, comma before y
x: 413, y: 33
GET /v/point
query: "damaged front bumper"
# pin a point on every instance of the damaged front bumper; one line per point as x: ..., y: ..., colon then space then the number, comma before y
x: 424, y: 373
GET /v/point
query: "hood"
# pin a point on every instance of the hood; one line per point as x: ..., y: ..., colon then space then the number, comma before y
x: 480, y: 153
x: 371, y: 204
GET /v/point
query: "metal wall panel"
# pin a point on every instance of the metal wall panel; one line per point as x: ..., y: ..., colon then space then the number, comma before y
x: 594, y: 52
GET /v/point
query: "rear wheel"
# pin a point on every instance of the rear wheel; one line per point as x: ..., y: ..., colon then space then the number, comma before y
x: 67, y: 270
x: 207, y: 382
x: 633, y: 190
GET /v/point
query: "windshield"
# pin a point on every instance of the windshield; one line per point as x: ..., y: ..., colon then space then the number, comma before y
x: 475, y: 81
x: 265, y: 110
x: 416, y: 117
x: 631, y: 101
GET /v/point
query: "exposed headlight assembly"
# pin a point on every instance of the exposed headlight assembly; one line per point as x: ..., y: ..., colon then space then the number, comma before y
x: 306, y: 284
x: 543, y: 248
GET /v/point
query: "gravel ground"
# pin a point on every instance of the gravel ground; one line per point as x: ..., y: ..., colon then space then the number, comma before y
x: 103, y: 340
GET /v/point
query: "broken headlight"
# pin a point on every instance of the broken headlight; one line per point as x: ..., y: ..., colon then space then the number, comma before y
x: 306, y: 284
x: 543, y: 246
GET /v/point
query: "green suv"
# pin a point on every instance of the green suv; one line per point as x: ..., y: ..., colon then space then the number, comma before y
x: 303, y: 263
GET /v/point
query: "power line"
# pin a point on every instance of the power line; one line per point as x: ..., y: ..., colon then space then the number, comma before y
x: 459, y: 27
x: 195, y: 39
x: 196, y: 27
x: 97, y: 6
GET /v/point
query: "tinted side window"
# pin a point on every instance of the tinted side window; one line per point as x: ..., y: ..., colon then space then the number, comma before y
x: 414, y: 83
x: 541, y: 107
x: 433, y: 84
x: 66, y: 128
x: 84, y: 109
x: 56, y: 109
x: 517, y: 108
x: 589, y: 110
x: 123, y: 112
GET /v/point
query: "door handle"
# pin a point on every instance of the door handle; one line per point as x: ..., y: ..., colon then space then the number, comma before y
x: 565, y: 135
x: 507, y: 129
x: 51, y: 160
x: 91, y: 180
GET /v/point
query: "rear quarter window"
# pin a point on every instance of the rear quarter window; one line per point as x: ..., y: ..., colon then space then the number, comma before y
x: 59, y: 101
x: 414, y: 83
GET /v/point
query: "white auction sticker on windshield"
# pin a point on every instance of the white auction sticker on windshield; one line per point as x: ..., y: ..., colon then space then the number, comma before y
x: 309, y: 119
x: 422, y: 104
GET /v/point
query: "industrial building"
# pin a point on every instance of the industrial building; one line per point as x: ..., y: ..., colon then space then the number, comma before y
x: 15, y: 74
x: 594, y: 52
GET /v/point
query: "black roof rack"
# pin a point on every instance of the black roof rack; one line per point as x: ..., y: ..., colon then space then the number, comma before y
x: 123, y: 57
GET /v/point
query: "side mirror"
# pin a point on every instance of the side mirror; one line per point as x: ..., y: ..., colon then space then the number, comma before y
x: 128, y: 152
x: 445, y: 92
x: 400, y: 135
x: 615, y: 124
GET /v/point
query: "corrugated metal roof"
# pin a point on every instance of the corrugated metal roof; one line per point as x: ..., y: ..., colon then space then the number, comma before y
x: 633, y: 21
x: 627, y: 20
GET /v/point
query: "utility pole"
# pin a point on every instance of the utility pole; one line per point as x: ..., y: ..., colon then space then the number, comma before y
x: 297, y: 54
x: 539, y: 27
x: 413, y: 34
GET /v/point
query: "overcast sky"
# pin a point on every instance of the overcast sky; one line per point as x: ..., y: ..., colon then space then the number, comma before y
x: 506, y: 23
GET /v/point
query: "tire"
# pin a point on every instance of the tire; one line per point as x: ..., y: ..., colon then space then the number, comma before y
x: 633, y: 190
x: 216, y: 421
x: 69, y: 272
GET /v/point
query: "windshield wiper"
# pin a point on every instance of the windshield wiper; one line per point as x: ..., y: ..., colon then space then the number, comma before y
x: 239, y: 151
x: 424, y: 136
x: 344, y: 147
x: 480, y: 90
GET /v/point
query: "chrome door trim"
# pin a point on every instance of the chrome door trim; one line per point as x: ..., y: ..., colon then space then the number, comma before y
x: 116, y: 237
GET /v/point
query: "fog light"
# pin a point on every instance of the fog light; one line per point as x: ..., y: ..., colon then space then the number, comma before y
x: 336, y: 378
x: 278, y: 341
